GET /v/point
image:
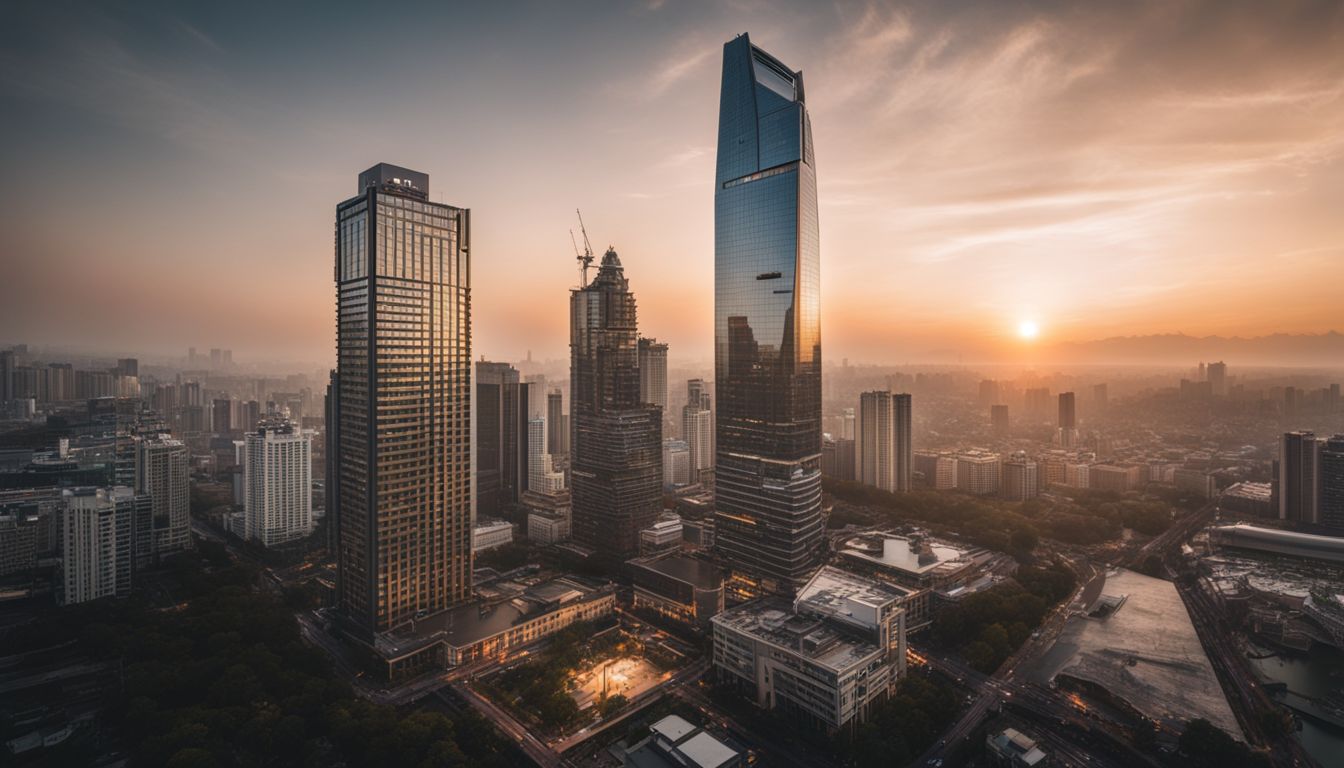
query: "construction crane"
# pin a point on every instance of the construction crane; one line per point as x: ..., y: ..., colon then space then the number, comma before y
x: 585, y: 259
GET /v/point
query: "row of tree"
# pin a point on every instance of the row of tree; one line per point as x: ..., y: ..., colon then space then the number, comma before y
x: 987, y: 627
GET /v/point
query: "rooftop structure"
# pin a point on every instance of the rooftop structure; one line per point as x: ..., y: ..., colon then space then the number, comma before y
x: 1293, y: 544
x: 678, y: 587
x: 1014, y: 748
x: 675, y: 743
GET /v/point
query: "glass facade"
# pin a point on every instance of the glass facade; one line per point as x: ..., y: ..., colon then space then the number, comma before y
x: 767, y: 324
x: 403, y: 389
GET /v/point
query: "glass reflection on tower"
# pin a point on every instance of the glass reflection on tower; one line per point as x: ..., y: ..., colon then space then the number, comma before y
x: 767, y: 325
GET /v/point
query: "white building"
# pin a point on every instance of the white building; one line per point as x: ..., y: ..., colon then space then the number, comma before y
x: 1021, y: 478
x: 162, y: 470
x: 830, y: 656
x: 697, y: 429
x: 545, y: 528
x: 882, y: 449
x: 978, y: 472
x: 277, y: 483
x: 98, y: 528
x: 676, y: 463
x: 653, y: 373
x: 541, y: 476
x: 488, y: 534
x: 945, y: 473
x: 662, y: 536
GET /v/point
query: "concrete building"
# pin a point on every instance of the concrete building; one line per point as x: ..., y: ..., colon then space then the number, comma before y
x: 162, y: 470
x: 882, y: 453
x: 675, y: 743
x: 663, y: 536
x: 653, y: 373
x: 512, y: 618
x: 1114, y: 478
x: 1010, y: 748
x: 1217, y: 376
x: 547, y: 528
x: 697, y: 429
x: 837, y: 458
x: 1299, y: 477
x: 1254, y: 499
x: 1068, y: 421
x: 1021, y: 478
x: 978, y: 472
x: 676, y: 463
x: 677, y: 587
x: 98, y: 535
x: 826, y: 658
x: 1293, y: 544
x: 488, y: 534
x: 277, y: 483
x: 998, y: 420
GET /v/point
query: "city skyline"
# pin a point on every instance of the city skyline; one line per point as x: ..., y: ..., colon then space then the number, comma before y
x: 1141, y: 190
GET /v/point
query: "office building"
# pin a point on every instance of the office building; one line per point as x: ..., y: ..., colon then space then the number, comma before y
x: 557, y: 425
x: 1217, y: 377
x: 221, y: 416
x: 1299, y: 477
x: 502, y: 402
x: 676, y: 463
x: 837, y: 459
x: 1068, y: 421
x: 98, y: 540
x: 1101, y: 399
x: 1020, y: 480
x: 664, y: 535
x: 978, y: 472
x: 404, y: 440
x: 998, y: 420
x: 541, y: 477
x: 616, y: 473
x: 697, y: 429
x: 848, y: 424
x: 883, y: 456
x: 1331, y: 514
x: 487, y: 534
x: 162, y: 470
x: 826, y: 658
x: 277, y: 483
x: 546, y: 527
x: 1113, y: 478
x: 677, y: 587
x: 767, y: 324
x: 7, y: 365
x: 653, y: 373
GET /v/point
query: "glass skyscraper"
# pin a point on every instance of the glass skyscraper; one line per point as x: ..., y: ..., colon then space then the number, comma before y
x: 403, y: 402
x: 767, y: 324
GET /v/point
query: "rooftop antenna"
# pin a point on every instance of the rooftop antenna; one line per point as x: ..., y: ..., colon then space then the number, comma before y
x: 586, y: 258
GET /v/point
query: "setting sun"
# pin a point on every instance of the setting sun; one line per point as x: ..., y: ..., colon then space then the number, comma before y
x: 1028, y: 329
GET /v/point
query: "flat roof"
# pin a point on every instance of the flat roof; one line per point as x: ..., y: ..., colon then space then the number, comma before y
x: 693, y: 571
x: 706, y: 751
x: 773, y: 620
x: 892, y: 551
x: 673, y: 728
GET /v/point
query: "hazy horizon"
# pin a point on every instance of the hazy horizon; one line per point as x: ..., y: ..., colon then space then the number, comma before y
x: 1098, y: 171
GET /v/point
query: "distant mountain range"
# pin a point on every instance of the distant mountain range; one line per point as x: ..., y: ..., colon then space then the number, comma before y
x: 1325, y: 350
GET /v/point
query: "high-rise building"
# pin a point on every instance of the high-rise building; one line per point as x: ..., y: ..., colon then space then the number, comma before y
x: 6, y: 375
x: 403, y: 344
x: 1068, y: 421
x: 1020, y: 479
x: 540, y: 476
x: 1332, y: 485
x: 557, y: 425
x: 978, y: 472
x: 502, y: 403
x: 676, y: 463
x: 989, y: 392
x: 882, y: 453
x: 1299, y: 477
x: 331, y: 497
x: 998, y: 420
x: 837, y: 459
x: 277, y: 484
x: 98, y: 535
x: 767, y: 324
x: 653, y: 373
x: 697, y: 429
x: 221, y: 416
x: 848, y: 424
x: 1217, y: 373
x: 616, y: 449
x: 162, y: 470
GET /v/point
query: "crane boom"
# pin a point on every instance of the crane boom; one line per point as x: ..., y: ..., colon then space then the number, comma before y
x: 586, y: 258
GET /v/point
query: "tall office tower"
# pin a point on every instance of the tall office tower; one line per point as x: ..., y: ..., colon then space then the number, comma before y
x: 697, y: 430
x: 128, y: 366
x: 1331, y: 514
x: 1299, y: 477
x: 331, y: 457
x: 767, y: 325
x: 1100, y: 398
x: 653, y: 373
x: 403, y: 352
x: 1217, y: 373
x: 989, y: 392
x: 502, y: 403
x: 837, y: 459
x: 998, y: 420
x: 277, y: 484
x: 6, y: 375
x: 221, y: 421
x: 98, y: 535
x: 616, y: 450
x: 541, y: 478
x: 676, y: 463
x: 1068, y: 421
x: 848, y: 425
x: 557, y: 425
x: 883, y: 453
x: 1020, y: 479
x: 537, y: 392
x: 162, y: 471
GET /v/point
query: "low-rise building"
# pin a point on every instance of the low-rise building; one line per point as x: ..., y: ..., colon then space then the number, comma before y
x: 826, y: 659
x: 488, y: 534
x: 675, y: 743
x: 1012, y: 748
x: 495, y: 627
x: 662, y: 536
x: 1253, y: 499
x: 678, y: 587
x: 978, y: 472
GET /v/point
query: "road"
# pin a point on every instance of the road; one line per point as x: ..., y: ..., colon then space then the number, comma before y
x: 689, y: 674
x: 534, y: 748
x: 768, y: 748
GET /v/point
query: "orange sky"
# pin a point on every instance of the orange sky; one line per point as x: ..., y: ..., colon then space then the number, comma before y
x: 1109, y: 169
